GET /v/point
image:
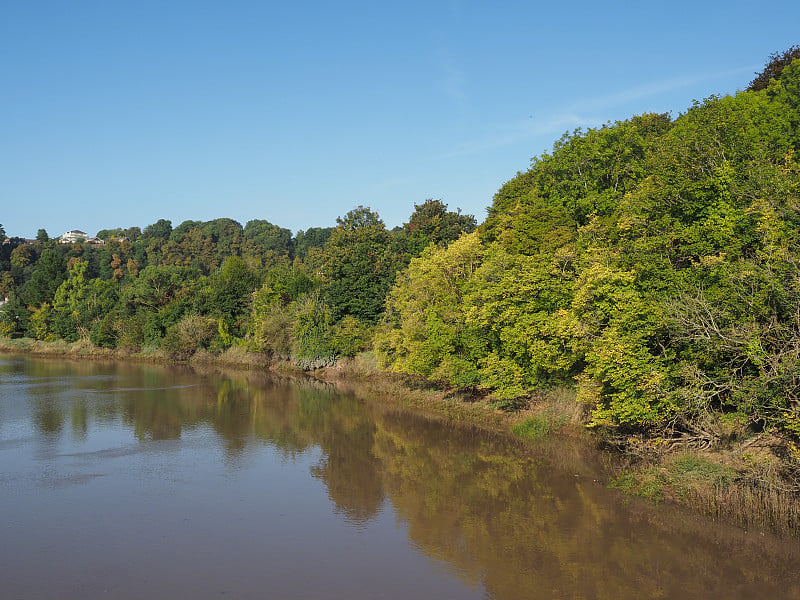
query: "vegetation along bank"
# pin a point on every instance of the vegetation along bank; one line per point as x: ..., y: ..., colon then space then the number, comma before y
x: 649, y: 268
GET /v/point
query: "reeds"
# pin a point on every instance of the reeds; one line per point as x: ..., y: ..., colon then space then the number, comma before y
x: 719, y: 486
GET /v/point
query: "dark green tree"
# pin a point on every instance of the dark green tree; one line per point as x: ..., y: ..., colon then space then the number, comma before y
x: 161, y: 229
x: 268, y: 237
x: 314, y: 237
x: 230, y: 291
x: 777, y: 62
x: 432, y: 223
x: 359, y: 266
x: 50, y: 271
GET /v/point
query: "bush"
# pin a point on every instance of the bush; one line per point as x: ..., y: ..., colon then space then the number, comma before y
x: 350, y: 336
x: 272, y: 331
x: 103, y: 332
x: 312, y: 334
x: 191, y: 333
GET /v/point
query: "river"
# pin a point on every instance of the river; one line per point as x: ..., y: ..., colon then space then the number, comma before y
x: 139, y: 481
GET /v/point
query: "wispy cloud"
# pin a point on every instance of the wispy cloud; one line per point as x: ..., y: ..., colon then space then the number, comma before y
x: 655, y: 88
x: 452, y: 78
x: 583, y: 113
x: 520, y: 131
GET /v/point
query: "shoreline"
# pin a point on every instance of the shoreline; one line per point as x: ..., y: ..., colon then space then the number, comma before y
x: 738, y: 483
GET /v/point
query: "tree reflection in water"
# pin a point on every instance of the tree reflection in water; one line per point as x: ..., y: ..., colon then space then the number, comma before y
x: 525, y: 522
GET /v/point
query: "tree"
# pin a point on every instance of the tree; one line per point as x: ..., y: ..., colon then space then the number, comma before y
x: 133, y: 268
x: 161, y: 229
x: 23, y: 257
x: 42, y: 237
x: 158, y: 286
x: 268, y: 237
x: 154, y: 301
x: 314, y: 237
x: 181, y: 230
x: 191, y: 333
x: 271, y: 323
x: 432, y: 223
x: 6, y: 284
x: 50, y: 271
x: 107, y: 234
x: 778, y: 61
x: 231, y: 289
x: 285, y: 284
x: 787, y: 92
x: 424, y: 330
x: 116, y: 264
x: 358, y: 266
x: 14, y: 317
x: 313, y: 333
x: 227, y: 236
x: 80, y: 302
x: 361, y: 217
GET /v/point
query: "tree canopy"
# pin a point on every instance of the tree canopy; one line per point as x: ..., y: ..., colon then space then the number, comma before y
x: 778, y: 61
x: 651, y: 261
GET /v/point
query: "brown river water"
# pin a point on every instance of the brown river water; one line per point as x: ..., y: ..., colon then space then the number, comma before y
x: 132, y: 481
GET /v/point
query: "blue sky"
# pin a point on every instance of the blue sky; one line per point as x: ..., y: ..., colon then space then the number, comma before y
x: 121, y: 113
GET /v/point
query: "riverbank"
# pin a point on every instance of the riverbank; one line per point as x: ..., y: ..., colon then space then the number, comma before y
x: 748, y: 480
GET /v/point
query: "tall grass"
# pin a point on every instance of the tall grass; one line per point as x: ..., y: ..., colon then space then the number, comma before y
x: 716, y: 489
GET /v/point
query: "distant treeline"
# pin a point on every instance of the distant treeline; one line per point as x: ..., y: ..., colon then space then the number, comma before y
x: 210, y: 285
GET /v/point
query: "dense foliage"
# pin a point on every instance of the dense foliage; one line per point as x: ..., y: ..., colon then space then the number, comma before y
x: 653, y: 261
x: 211, y: 285
x: 774, y: 67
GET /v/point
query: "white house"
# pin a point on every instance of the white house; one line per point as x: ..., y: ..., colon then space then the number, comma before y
x: 70, y: 237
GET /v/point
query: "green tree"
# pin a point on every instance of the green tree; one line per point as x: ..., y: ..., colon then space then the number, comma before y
x: 158, y: 286
x: 191, y: 333
x: 271, y: 326
x: 773, y: 70
x: 424, y: 331
x: 432, y: 223
x: 268, y: 237
x: 14, y: 317
x: 314, y: 237
x: 23, y: 258
x: 80, y: 302
x: 313, y: 334
x: 161, y: 229
x: 231, y: 289
x: 47, y: 275
x: 358, y: 266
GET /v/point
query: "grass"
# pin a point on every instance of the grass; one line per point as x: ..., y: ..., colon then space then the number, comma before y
x: 533, y: 427
x: 645, y: 485
x: 550, y: 412
x: 82, y: 347
x: 720, y: 485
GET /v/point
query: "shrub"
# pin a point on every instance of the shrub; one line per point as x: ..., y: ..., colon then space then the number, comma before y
x: 191, y: 333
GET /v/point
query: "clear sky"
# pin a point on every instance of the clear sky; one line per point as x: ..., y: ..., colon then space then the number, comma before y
x: 119, y: 113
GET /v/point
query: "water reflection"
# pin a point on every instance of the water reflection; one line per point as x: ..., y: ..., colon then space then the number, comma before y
x: 519, y: 522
